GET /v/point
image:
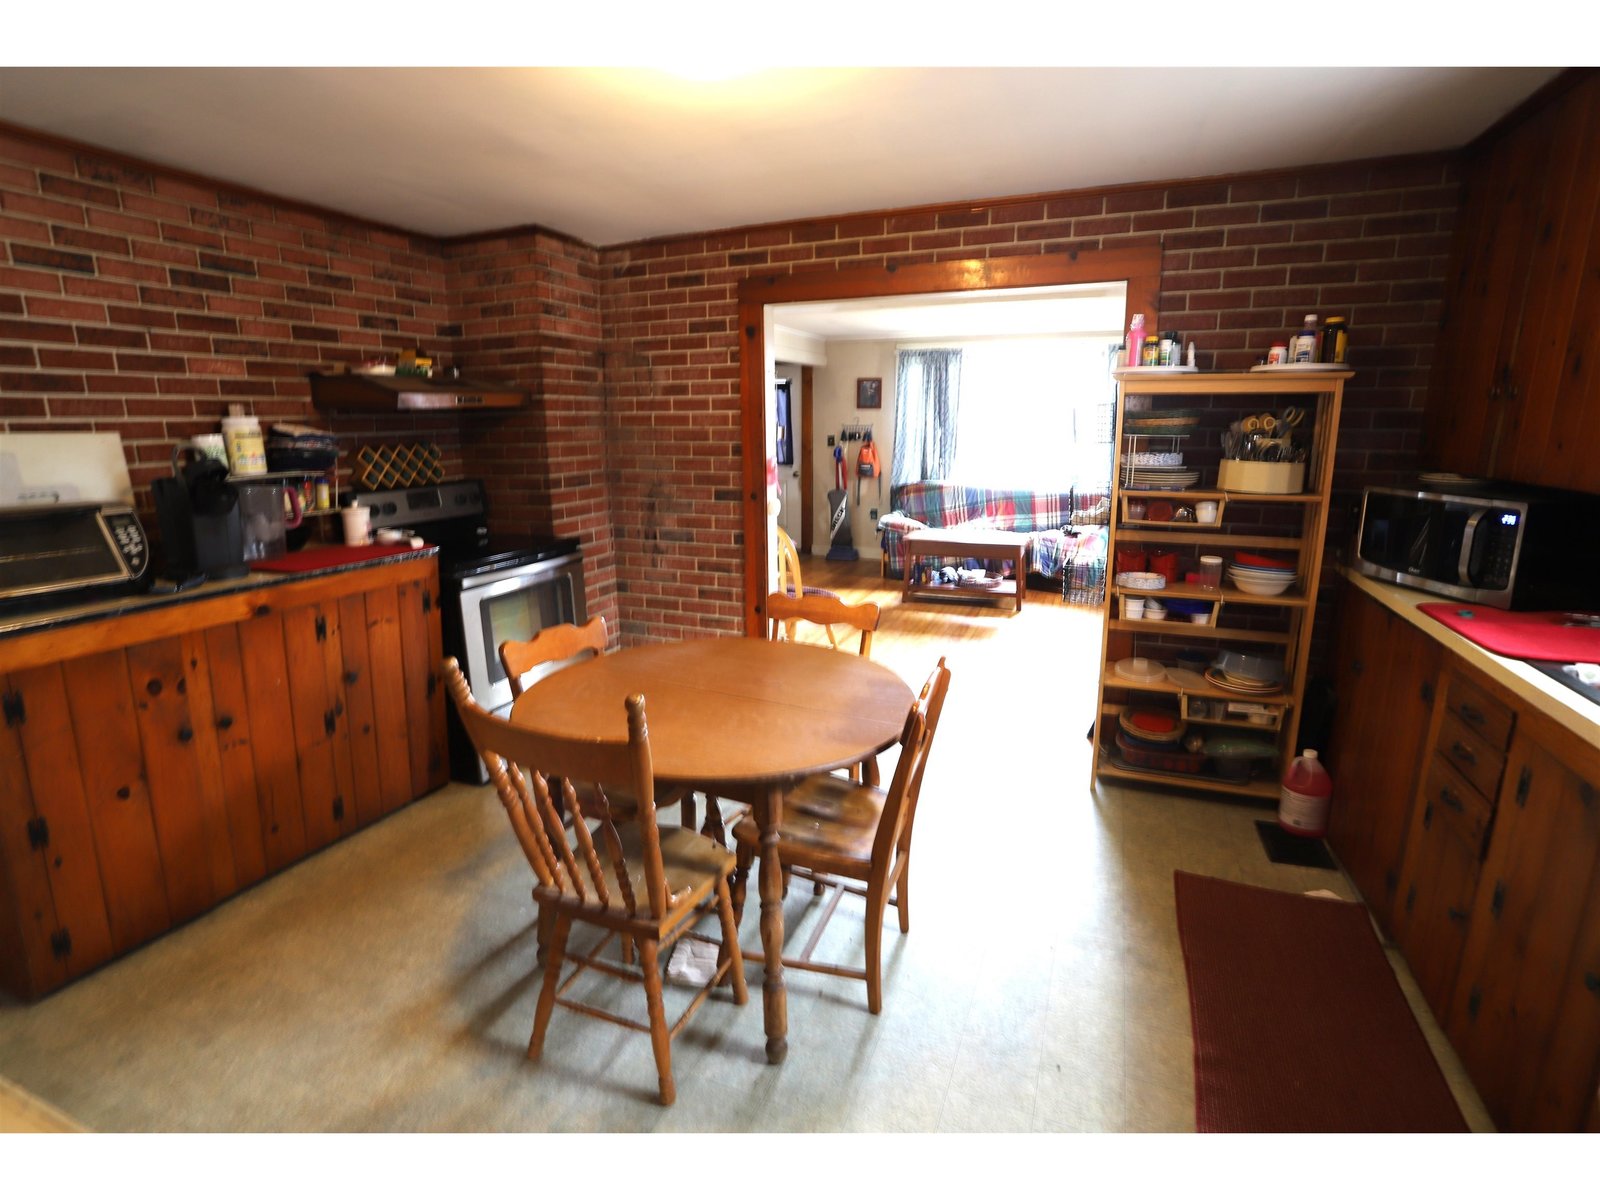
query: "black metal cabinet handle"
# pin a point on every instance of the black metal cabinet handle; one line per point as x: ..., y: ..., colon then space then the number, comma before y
x: 1464, y: 753
x: 1449, y: 799
x: 1468, y: 713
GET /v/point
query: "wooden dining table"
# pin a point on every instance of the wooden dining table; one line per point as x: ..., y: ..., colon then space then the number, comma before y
x: 740, y: 718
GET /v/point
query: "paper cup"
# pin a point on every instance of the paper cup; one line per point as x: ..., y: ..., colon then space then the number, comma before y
x: 357, y: 525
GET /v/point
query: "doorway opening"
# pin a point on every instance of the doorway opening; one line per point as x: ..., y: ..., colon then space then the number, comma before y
x: 1006, y: 288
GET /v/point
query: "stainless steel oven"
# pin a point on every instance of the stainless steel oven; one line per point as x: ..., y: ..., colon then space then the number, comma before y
x: 493, y: 587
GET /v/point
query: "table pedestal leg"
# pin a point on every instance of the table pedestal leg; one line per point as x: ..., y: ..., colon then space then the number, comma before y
x: 774, y: 998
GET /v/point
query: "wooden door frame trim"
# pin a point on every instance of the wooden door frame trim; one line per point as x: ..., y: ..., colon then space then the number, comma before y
x: 1139, y: 266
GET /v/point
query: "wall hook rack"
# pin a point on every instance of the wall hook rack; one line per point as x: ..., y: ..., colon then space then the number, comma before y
x: 855, y: 432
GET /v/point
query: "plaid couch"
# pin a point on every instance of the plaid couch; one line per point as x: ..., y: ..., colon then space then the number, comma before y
x: 940, y: 505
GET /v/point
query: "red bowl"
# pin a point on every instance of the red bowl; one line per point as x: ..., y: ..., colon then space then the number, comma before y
x: 1245, y: 559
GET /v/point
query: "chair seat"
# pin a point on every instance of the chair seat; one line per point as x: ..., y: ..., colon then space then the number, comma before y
x: 691, y: 862
x: 829, y: 823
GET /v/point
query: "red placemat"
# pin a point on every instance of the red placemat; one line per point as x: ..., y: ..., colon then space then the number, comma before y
x: 1545, y: 635
x: 317, y: 558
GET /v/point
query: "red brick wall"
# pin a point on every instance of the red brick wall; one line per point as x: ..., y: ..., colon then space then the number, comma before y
x: 1244, y: 259
x: 145, y: 302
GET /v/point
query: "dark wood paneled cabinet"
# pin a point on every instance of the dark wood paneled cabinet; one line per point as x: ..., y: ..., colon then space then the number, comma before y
x: 1525, y: 1016
x: 1513, y: 386
x: 1496, y: 853
x: 149, y: 771
x: 1384, y: 688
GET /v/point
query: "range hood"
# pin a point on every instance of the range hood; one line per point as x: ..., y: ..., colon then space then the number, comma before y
x: 392, y: 393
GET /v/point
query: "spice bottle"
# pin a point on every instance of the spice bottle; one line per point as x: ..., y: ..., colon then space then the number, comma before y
x: 1171, y: 349
x: 1135, y: 339
x: 1334, y: 341
x: 1151, y: 357
x: 1303, y: 347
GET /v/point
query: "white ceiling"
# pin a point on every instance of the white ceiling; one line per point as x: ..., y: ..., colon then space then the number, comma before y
x: 611, y: 155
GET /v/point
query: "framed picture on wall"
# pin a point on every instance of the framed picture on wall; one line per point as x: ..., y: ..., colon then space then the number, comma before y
x: 869, y: 393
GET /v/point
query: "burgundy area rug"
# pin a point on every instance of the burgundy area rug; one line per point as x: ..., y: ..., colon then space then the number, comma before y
x: 1299, y: 1023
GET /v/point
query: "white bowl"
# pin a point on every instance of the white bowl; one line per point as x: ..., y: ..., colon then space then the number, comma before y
x: 1257, y: 587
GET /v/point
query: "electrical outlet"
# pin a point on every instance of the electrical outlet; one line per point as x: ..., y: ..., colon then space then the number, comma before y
x: 873, y: 513
x: 830, y: 439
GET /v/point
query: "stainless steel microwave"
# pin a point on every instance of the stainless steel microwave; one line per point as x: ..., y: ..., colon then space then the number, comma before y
x: 1498, y: 544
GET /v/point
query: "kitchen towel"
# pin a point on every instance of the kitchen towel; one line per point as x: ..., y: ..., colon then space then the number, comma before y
x: 1545, y: 635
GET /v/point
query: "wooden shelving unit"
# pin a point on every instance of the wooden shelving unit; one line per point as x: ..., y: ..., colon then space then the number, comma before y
x: 1232, y: 622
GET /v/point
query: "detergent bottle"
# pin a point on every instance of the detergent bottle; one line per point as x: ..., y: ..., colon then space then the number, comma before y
x: 1305, y: 797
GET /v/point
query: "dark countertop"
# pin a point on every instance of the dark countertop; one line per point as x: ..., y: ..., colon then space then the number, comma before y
x: 14, y: 624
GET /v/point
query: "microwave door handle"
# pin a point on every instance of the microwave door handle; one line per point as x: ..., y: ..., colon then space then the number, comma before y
x: 1469, y: 537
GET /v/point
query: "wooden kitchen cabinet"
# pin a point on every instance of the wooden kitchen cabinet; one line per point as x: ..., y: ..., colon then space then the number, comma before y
x: 1384, y: 688
x: 1450, y: 822
x: 1525, y: 1014
x: 156, y: 763
x: 1518, y: 356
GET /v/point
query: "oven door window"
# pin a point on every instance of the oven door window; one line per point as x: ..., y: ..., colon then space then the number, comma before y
x: 517, y: 615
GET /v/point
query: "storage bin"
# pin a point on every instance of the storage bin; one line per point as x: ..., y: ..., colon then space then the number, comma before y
x: 1236, y: 475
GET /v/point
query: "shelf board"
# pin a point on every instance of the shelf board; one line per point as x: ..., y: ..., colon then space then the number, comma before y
x: 1203, y: 383
x: 1230, y: 497
x: 1227, y: 593
x: 1264, y: 789
x: 1187, y: 533
x: 1110, y: 679
x: 1190, y: 629
x: 1113, y: 709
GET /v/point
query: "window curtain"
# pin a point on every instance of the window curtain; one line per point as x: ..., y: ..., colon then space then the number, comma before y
x: 927, y: 399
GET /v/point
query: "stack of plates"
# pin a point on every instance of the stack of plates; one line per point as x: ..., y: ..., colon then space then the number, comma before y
x: 1144, y: 581
x: 1152, y: 726
x: 1217, y: 677
x: 1159, y: 478
x: 1261, y: 581
x: 1145, y: 458
x: 1140, y: 670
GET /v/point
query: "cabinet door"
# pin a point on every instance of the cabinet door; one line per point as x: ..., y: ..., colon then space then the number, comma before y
x: 1556, y: 339
x: 1438, y: 880
x: 1386, y: 682
x: 1502, y: 189
x: 1523, y: 968
x: 47, y: 854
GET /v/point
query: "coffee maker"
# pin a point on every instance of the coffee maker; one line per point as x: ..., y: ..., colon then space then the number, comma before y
x: 198, y: 509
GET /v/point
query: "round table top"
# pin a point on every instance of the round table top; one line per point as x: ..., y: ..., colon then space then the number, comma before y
x: 729, y: 710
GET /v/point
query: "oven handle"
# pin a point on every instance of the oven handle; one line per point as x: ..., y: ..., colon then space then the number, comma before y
x: 1469, y: 537
x: 518, y: 577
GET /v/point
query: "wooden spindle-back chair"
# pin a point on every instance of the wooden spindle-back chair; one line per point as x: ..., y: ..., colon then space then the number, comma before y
x: 785, y: 612
x: 552, y: 644
x: 625, y: 874
x: 563, y: 644
x: 836, y: 830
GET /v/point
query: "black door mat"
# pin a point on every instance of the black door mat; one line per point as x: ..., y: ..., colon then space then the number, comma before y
x: 1293, y: 850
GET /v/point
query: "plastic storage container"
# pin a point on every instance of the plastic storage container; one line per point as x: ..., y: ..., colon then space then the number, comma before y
x: 247, y: 452
x: 1305, y: 797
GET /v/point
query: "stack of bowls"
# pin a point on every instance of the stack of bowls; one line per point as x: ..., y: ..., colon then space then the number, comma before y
x: 1257, y: 578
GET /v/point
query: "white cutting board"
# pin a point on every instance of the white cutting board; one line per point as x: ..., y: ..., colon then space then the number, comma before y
x: 63, y: 468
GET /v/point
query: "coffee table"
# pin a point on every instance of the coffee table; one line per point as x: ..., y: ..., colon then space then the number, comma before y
x: 735, y: 717
x: 983, y: 544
